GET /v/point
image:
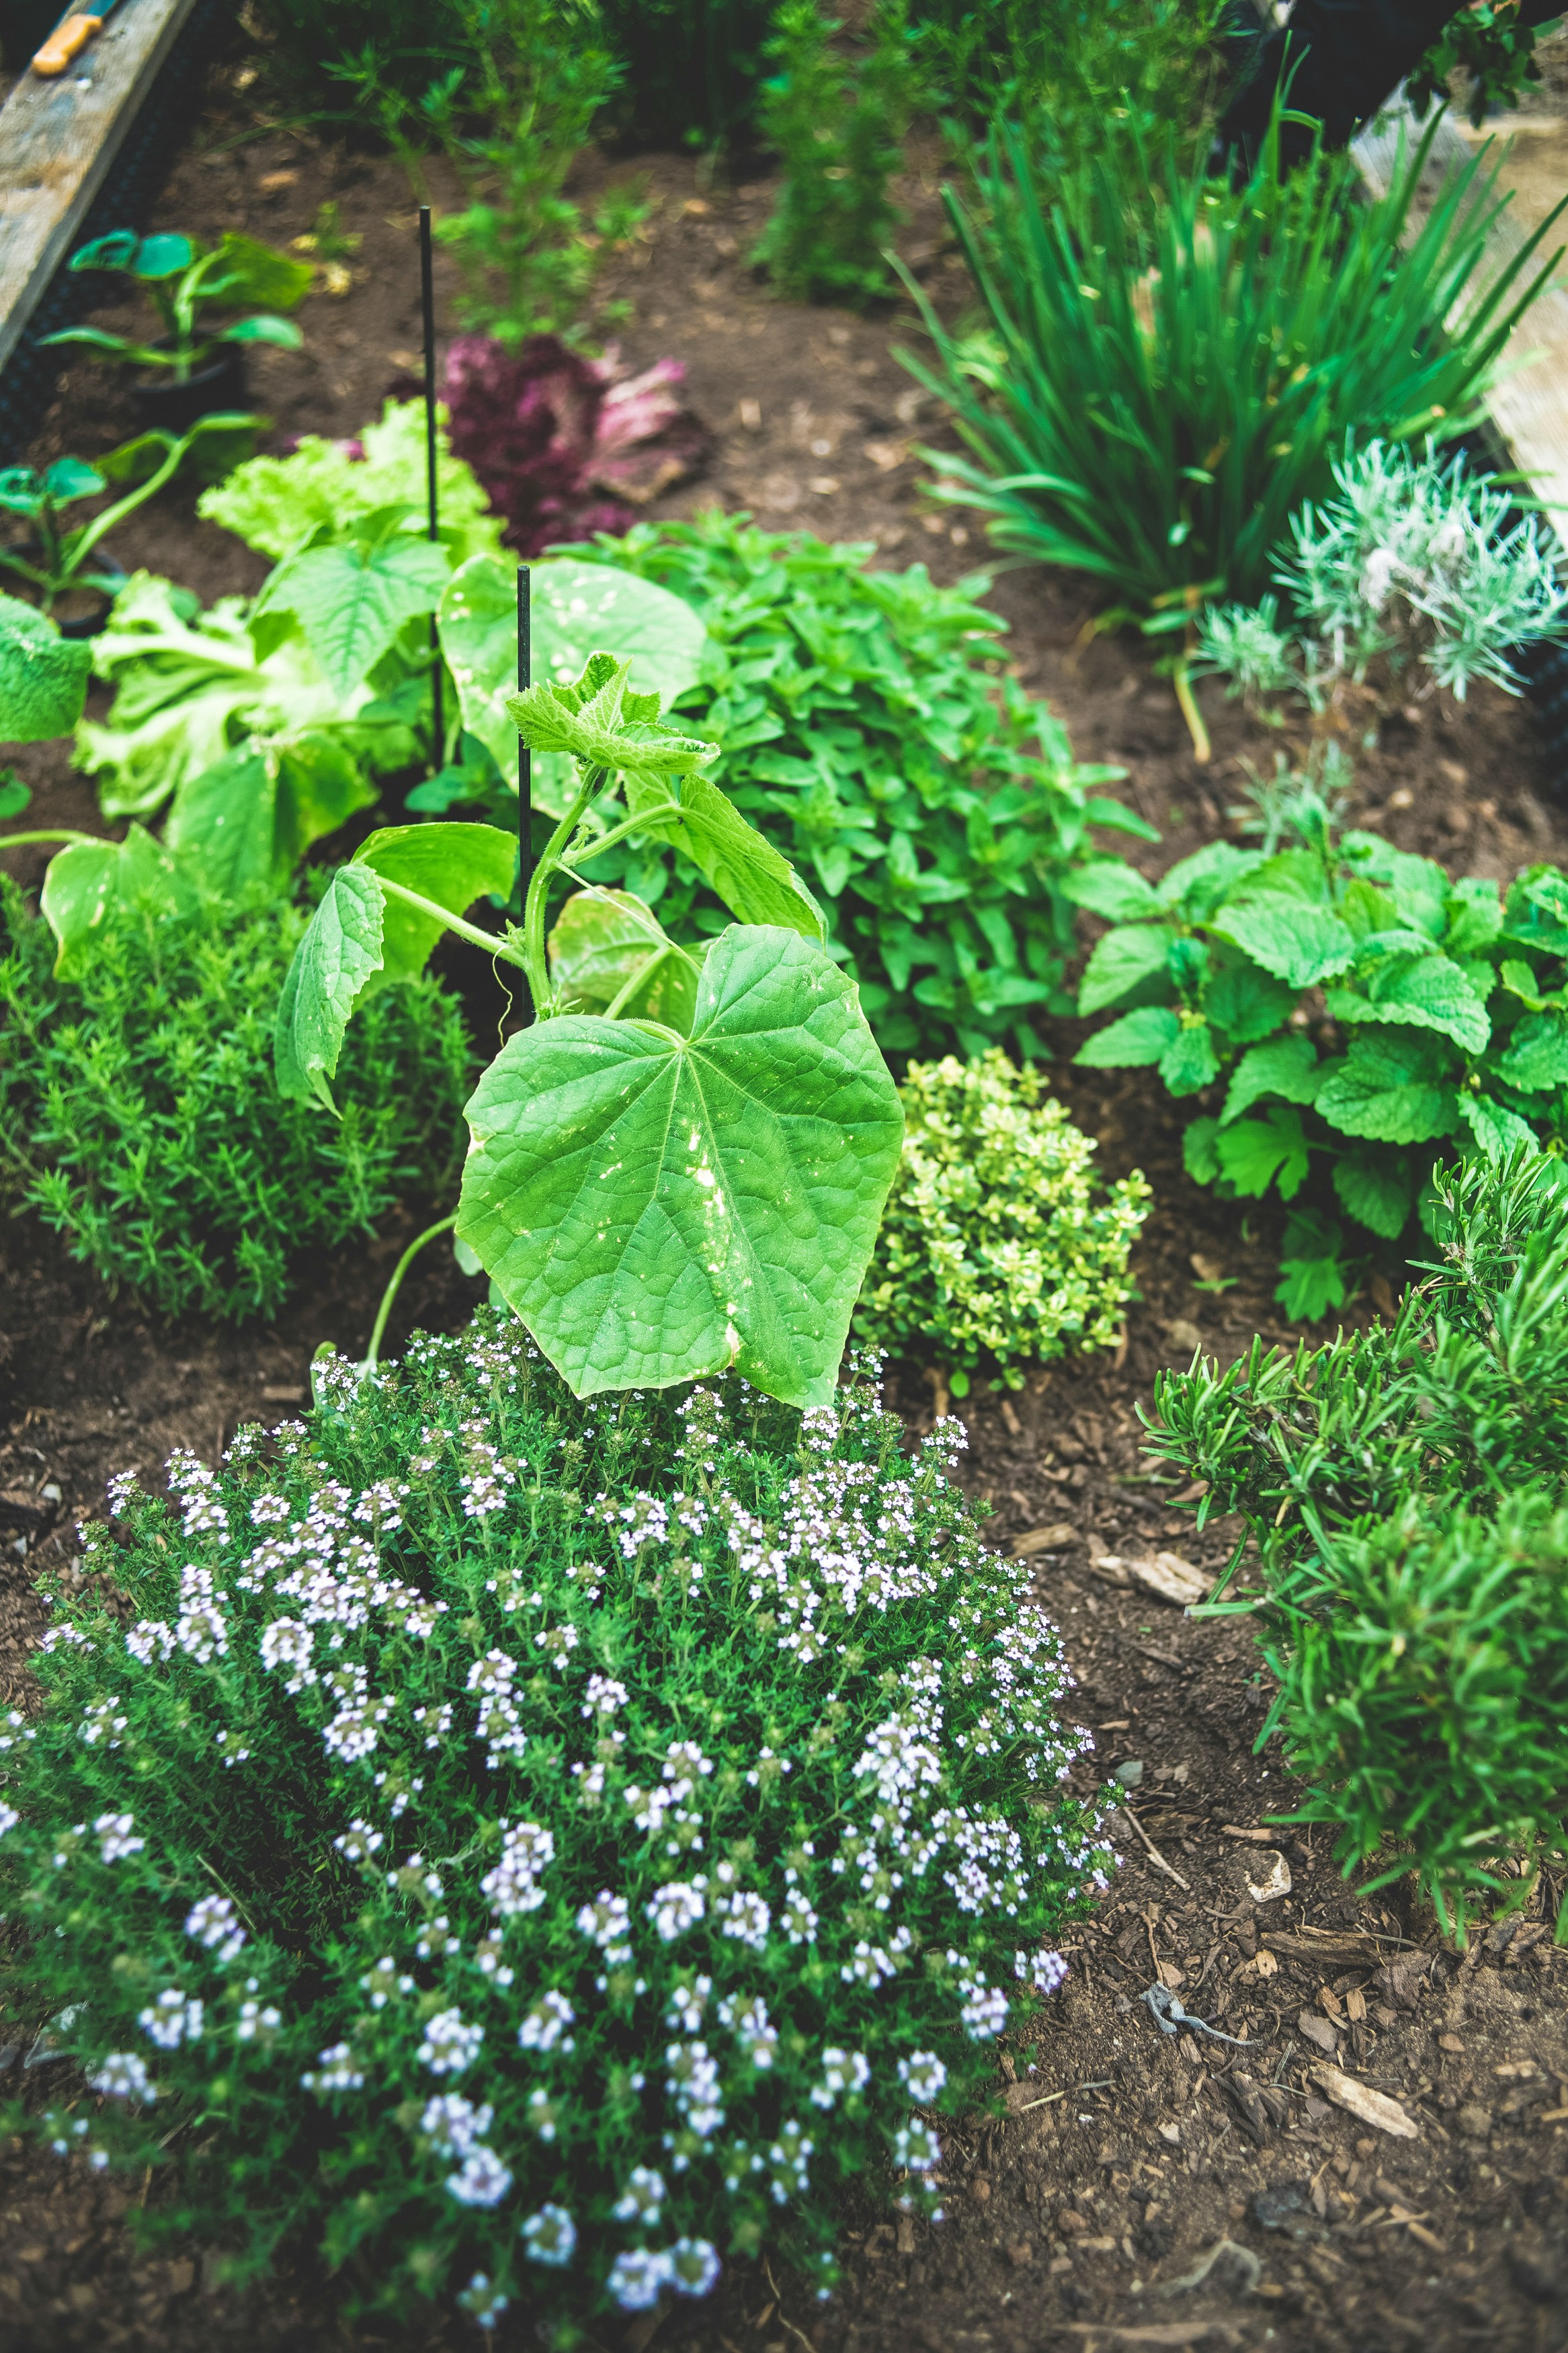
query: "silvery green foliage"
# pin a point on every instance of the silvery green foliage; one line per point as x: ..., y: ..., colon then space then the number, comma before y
x: 1415, y: 562
x: 549, y: 1846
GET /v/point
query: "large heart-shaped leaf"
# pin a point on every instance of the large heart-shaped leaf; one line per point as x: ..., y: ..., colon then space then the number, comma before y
x: 658, y: 1207
x: 362, y: 937
x: 576, y: 608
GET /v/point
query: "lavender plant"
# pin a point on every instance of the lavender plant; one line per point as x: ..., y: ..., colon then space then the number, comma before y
x: 1416, y: 565
x: 532, y: 1850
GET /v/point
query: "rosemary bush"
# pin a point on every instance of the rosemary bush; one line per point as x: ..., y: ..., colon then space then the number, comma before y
x: 145, y: 1128
x: 837, y: 131
x: 550, y: 1845
x: 1404, y: 1488
x: 994, y: 1252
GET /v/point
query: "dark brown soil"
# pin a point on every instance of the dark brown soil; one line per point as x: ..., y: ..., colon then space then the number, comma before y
x: 1088, y: 2212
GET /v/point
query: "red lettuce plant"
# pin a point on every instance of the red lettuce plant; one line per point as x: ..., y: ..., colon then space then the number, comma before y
x: 566, y: 446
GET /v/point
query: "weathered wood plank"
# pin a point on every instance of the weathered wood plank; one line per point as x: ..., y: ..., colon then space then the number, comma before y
x: 1528, y: 405
x: 57, y: 140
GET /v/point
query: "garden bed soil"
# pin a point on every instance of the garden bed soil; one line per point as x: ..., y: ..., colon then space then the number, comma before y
x: 1084, y: 2211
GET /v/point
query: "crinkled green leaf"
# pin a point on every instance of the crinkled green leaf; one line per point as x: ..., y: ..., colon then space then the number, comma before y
x: 1247, y: 1002
x: 575, y: 609
x: 1376, y: 1189
x: 43, y: 676
x: 602, y: 940
x: 656, y: 1208
x: 1497, y: 1131
x: 1199, y: 1158
x: 1138, y: 1038
x: 1418, y: 886
x: 1395, y: 1086
x: 1296, y: 942
x: 603, y: 730
x: 1475, y: 916
x: 1287, y: 1067
x: 1130, y: 958
x: 1427, y: 993
x: 275, y: 504
x: 1190, y: 1062
x: 249, y: 272
x: 350, y: 601
x: 1537, y: 1054
x: 1254, y: 1153
x: 339, y: 955
x: 1536, y: 910
x: 1109, y: 888
x: 1196, y: 886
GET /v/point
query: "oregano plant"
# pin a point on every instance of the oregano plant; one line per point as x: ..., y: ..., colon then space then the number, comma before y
x: 680, y: 1164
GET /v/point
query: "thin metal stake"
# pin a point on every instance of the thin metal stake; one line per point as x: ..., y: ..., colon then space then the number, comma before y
x: 524, y: 756
x: 427, y: 290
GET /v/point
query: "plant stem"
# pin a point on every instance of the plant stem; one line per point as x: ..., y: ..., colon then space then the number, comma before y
x: 465, y: 931
x: 637, y: 824
x: 389, y: 1296
x: 51, y: 833
x: 629, y: 988
x: 533, y: 958
x: 1202, y: 748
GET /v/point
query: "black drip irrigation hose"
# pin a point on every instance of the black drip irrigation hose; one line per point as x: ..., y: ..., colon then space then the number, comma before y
x: 131, y: 188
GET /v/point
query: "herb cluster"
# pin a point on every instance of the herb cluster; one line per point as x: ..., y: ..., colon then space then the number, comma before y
x: 868, y: 725
x: 1441, y: 1027
x: 549, y: 1846
x: 1403, y: 1489
x: 144, y: 1124
x: 997, y: 1251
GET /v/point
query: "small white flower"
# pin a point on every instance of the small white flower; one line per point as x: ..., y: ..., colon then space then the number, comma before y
x: 676, y: 1906
x: 746, y: 1917
x: 450, y: 2044
x: 842, y: 2071
x: 923, y: 2075
x: 917, y: 2148
x: 114, y: 1838
x: 124, y: 2076
x: 337, y: 2072
x: 637, y: 2277
x: 172, y: 2019
x: 454, y: 2123
x: 481, y: 2181
x: 607, y: 1922
x: 643, y: 2197
x: 1045, y: 1971
x: 546, y: 2022
x: 549, y: 2236
x: 212, y: 1923
x: 9, y: 1818
x: 694, y: 2266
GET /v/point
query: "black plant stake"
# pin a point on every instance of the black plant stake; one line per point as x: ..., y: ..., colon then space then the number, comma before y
x: 524, y: 756
x: 427, y: 289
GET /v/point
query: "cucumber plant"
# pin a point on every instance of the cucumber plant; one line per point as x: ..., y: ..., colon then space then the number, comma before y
x: 690, y: 1173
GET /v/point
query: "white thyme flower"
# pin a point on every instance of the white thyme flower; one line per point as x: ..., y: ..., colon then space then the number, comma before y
x: 450, y: 2044
x: 546, y: 2024
x: 211, y: 1921
x: 642, y: 2199
x: 549, y: 2236
x: 121, y: 2076
x: 636, y: 2277
x: 114, y: 1839
x: 481, y: 2180
x: 172, y: 2019
x: 842, y: 2071
x: 923, y: 2075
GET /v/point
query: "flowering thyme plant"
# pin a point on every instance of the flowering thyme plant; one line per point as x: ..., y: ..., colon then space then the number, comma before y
x: 546, y: 1846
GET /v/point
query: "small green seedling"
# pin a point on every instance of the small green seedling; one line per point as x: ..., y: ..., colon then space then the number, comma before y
x: 689, y: 1175
x: 185, y: 284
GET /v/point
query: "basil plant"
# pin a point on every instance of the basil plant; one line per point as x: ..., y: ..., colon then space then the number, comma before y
x: 681, y: 1164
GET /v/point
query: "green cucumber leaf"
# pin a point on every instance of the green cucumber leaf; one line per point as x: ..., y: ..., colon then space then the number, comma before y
x: 656, y: 1209
x: 756, y: 881
x: 1254, y: 1153
x: 602, y: 940
x: 1138, y: 1038
x: 43, y: 676
x: 1287, y: 1067
x: 1393, y: 1087
x: 339, y: 956
x: 451, y: 864
x: 601, y: 724
x: 246, y: 822
x: 1296, y: 942
x: 1132, y: 957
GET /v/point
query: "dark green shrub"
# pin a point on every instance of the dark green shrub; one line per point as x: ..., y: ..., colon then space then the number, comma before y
x: 995, y: 1252
x: 549, y: 1845
x: 837, y: 128
x: 1440, y: 1028
x: 144, y: 1125
x: 1403, y: 1489
x: 868, y: 726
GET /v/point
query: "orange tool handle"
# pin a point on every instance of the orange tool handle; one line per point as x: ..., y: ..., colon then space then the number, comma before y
x: 64, y: 43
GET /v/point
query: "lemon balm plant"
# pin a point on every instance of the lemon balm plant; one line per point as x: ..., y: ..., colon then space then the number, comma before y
x: 688, y: 1177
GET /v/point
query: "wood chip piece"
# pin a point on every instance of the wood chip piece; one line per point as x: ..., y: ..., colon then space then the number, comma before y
x: 1367, y: 2107
x: 1055, y: 1538
x: 1259, y: 1838
x: 1276, y: 1882
x: 1323, y: 1946
x: 1164, y: 1574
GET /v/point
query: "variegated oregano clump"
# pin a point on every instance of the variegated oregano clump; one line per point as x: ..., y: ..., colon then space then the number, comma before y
x: 536, y: 1849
